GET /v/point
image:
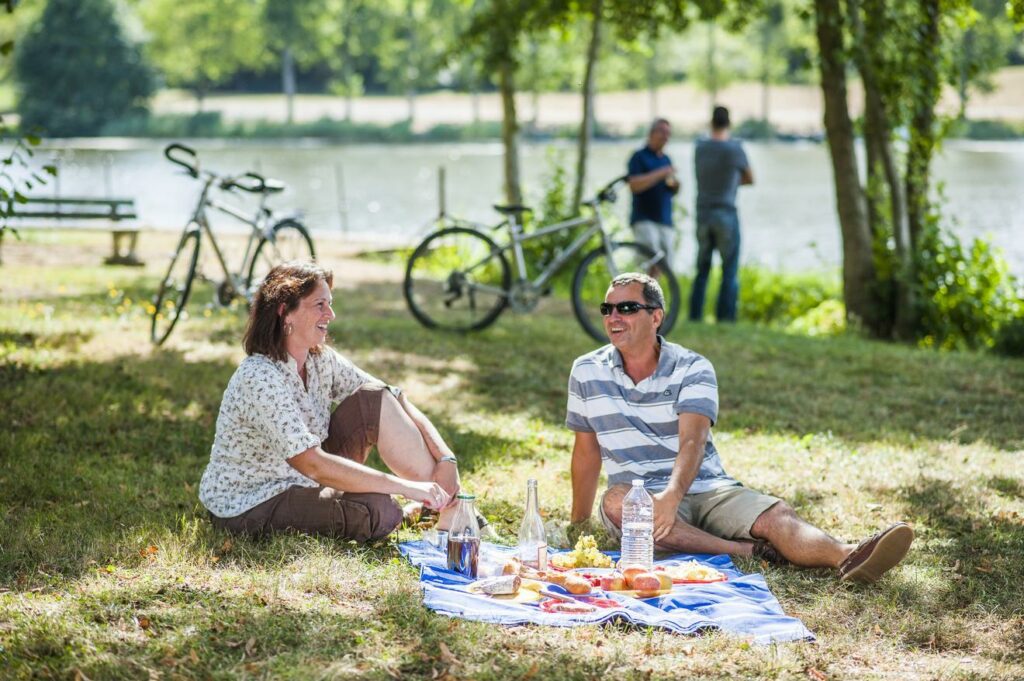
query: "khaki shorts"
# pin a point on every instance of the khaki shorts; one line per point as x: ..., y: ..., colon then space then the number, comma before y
x: 353, y: 430
x: 726, y: 512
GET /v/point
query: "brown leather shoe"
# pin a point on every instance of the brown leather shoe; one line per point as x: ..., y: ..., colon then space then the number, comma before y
x: 875, y: 556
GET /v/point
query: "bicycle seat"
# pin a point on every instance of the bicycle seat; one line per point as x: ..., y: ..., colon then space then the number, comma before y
x: 513, y: 210
x: 254, y: 184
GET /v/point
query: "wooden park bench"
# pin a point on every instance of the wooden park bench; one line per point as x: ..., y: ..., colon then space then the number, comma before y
x: 73, y: 212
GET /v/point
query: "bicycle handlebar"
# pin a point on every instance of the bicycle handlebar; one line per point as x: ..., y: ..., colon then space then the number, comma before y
x: 607, y: 193
x: 190, y: 166
x: 187, y: 158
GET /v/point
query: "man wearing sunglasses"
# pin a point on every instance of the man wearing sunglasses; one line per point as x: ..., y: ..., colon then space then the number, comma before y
x: 643, y: 407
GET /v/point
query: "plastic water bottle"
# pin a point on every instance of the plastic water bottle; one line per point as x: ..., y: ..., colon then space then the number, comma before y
x: 637, y: 527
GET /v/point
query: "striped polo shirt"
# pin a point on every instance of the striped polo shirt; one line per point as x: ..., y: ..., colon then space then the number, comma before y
x: 637, y: 424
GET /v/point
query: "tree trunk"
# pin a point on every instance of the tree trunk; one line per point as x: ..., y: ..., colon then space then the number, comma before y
x: 766, y: 45
x: 858, y: 265
x: 587, y: 124
x: 712, y: 71
x: 510, y: 131
x: 411, y: 71
x: 963, y: 79
x: 922, y: 121
x: 534, y: 86
x: 882, y: 170
x: 288, y: 83
x: 346, y: 57
x: 652, y: 83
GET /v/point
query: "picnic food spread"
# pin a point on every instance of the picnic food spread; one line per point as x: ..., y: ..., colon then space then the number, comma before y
x: 636, y: 581
x: 529, y: 574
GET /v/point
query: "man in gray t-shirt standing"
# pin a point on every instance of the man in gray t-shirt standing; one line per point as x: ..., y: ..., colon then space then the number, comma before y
x: 721, y: 167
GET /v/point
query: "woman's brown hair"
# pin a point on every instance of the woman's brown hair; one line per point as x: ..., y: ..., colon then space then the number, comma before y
x: 285, y: 285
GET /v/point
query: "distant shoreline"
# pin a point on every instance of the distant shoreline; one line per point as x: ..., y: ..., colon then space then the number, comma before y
x: 211, y: 125
x: 792, y: 109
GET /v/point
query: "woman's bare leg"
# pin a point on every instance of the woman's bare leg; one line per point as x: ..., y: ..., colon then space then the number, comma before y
x: 404, y: 451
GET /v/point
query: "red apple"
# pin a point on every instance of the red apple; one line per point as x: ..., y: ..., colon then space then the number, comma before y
x: 630, y: 572
x: 613, y: 582
x: 646, y: 581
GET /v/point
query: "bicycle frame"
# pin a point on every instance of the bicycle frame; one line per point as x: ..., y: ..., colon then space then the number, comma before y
x: 596, y: 225
x: 200, y: 218
x: 519, y: 238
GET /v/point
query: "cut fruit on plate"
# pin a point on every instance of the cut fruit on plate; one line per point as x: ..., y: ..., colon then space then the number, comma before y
x: 691, y: 572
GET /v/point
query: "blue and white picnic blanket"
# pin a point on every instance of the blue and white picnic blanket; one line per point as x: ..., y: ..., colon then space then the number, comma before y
x: 742, y: 605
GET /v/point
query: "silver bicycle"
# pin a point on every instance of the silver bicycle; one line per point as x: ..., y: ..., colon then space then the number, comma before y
x: 459, y: 279
x: 272, y: 240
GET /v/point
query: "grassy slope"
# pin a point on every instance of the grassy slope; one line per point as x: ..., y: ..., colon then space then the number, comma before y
x: 105, y: 440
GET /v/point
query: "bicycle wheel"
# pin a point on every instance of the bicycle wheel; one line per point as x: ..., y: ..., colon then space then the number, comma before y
x: 597, y: 270
x: 458, y: 280
x: 172, y: 295
x: 289, y: 240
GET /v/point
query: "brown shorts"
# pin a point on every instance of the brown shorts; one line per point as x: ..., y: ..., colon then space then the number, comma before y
x: 727, y: 512
x: 322, y: 510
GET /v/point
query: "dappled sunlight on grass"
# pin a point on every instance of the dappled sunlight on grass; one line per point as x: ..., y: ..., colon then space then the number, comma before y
x: 101, y: 531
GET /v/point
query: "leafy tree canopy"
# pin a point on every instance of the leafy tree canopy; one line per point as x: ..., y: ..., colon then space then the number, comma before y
x: 198, y: 44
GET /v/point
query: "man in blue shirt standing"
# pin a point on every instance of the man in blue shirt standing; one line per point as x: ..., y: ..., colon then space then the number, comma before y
x: 652, y: 181
x: 721, y: 167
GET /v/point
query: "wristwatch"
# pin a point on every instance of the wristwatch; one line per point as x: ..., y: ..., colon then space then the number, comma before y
x: 448, y: 457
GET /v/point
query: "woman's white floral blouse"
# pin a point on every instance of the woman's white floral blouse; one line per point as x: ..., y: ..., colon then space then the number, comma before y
x: 266, y: 417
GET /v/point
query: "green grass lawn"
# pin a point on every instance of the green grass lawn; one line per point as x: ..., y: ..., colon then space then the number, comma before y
x: 110, y: 569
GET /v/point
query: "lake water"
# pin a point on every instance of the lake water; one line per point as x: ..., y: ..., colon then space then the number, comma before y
x: 391, y: 192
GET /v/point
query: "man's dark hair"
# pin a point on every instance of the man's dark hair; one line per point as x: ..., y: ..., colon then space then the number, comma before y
x: 656, y: 123
x: 285, y: 285
x: 653, y: 295
x: 720, y: 118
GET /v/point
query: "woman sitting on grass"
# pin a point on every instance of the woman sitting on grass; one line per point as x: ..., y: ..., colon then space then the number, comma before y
x: 282, y: 459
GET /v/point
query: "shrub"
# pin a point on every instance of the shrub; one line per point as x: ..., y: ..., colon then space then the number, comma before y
x: 1009, y: 339
x: 776, y: 298
x: 755, y: 129
x: 964, y: 294
x: 78, y: 72
x: 827, y: 319
x: 987, y: 129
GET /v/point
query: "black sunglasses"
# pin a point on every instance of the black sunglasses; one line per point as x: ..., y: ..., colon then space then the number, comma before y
x: 627, y: 307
